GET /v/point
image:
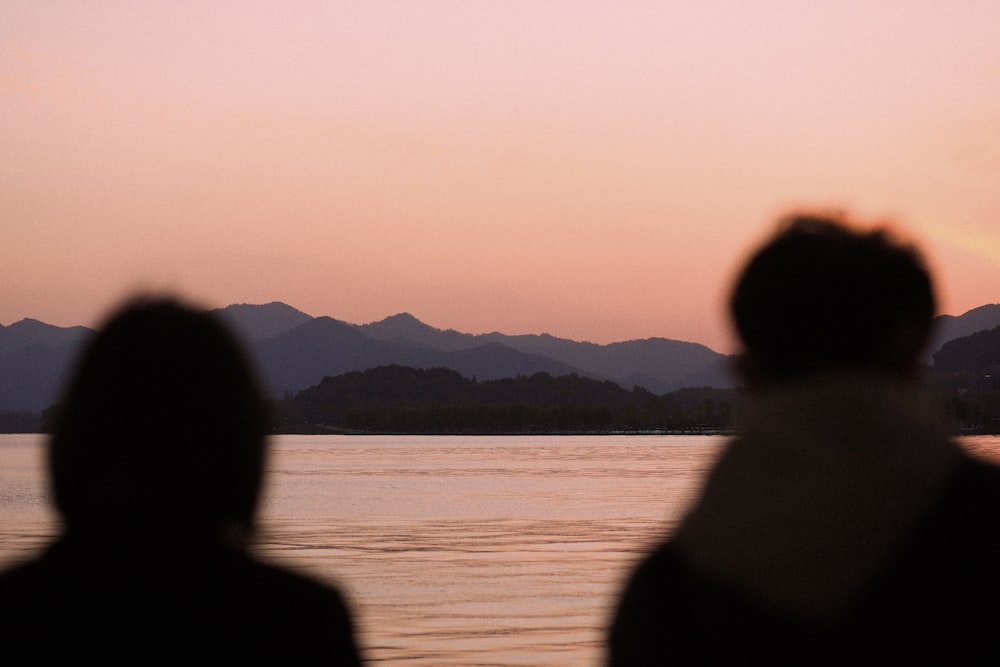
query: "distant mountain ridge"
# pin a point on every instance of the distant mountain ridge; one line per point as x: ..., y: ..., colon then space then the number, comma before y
x: 295, y: 351
x: 265, y: 321
x: 302, y: 356
x: 950, y: 327
x: 658, y: 364
x: 35, y: 359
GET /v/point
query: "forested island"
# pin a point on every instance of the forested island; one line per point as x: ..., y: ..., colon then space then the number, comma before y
x: 399, y: 399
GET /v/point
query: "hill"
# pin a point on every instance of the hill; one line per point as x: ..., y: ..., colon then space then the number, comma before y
x: 966, y: 378
x: 256, y: 323
x: 35, y: 359
x: 303, y: 356
x: 657, y: 364
x: 971, y: 363
x: 950, y: 327
x: 398, y: 399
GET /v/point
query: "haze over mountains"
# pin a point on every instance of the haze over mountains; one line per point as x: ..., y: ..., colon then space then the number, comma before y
x: 294, y: 351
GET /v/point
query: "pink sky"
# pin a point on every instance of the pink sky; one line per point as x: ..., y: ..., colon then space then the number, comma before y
x: 594, y: 170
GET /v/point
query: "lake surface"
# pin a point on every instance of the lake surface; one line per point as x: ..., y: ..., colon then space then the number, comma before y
x: 453, y: 550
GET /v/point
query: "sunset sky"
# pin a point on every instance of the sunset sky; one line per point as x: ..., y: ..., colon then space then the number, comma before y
x: 593, y: 170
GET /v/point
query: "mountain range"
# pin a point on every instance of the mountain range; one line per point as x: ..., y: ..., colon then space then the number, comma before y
x: 295, y: 351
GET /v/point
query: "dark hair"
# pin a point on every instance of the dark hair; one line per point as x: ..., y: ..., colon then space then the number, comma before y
x: 162, y: 422
x: 822, y: 295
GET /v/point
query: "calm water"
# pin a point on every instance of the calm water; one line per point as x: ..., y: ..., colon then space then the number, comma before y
x: 453, y: 550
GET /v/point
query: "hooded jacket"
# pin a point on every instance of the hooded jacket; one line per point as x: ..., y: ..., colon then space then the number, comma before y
x: 841, y: 526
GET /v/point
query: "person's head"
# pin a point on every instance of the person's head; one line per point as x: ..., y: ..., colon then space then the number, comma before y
x: 162, y: 424
x: 822, y: 295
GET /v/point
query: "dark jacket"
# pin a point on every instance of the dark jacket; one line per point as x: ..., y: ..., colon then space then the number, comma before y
x: 105, y: 601
x: 840, y: 528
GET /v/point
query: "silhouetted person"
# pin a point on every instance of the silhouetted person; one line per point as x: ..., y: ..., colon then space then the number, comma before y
x: 156, y: 464
x: 841, y: 525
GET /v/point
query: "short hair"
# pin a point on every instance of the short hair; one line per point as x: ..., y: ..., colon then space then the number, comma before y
x: 822, y: 295
x: 163, y: 421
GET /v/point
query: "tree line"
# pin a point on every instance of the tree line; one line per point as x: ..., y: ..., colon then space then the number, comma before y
x: 399, y: 399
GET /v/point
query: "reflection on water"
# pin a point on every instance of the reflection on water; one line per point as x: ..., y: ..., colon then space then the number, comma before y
x: 26, y: 521
x: 477, y: 551
x: 454, y: 550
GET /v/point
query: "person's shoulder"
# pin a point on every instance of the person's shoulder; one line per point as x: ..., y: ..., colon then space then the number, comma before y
x: 959, y: 535
x: 266, y: 579
x: 222, y: 602
x: 656, y: 587
x: 980, y: 470
x: 660, y: 565
x: 297, y: 583
x: 33, y: 603
x: 283, y: 613
x: 974, y: 490
x: 292, y: 604
x: 31, y: 581
x: 635, y: 633
x: 669, y: 612
x: 18, y: 580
